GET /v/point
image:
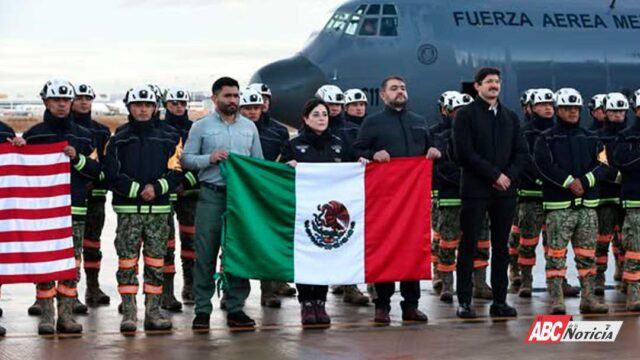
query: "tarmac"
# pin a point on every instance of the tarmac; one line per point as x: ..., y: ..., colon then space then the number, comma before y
x: 279, y: 334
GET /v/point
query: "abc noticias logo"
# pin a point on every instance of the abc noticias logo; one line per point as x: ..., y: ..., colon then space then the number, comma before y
x: 551, y: 329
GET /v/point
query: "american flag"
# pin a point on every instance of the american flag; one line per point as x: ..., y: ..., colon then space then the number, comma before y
x: 36, y: 235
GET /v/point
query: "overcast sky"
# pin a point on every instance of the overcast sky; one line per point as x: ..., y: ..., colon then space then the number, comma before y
x: 114, y: 44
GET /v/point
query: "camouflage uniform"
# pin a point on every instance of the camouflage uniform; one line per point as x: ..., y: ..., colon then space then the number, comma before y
x: 610, y: 217
x: 531, y: 222
x: 631, y: 241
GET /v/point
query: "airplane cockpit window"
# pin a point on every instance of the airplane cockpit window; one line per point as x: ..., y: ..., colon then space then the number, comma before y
x: 369, y: 27
x: 353, y: 25
x: 389, y: 9
x: 367, y: 20
x: 389, y: 26
x: 361, y: 8
x: 338, y: 23
x: 373, y: 10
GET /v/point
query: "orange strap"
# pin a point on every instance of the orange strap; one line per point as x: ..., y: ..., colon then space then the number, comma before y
x: 529, y: 241
x: 586, y: 272
x: 513, y: 251
x: 589, y: 253
x: 189, y: 230
x: 484, y: 244
x: 169, y: 269
x: 91, y: 244
x: 449, y: 244
x: 526, y: 261
x: 128, y: 289
x: 446, y: 268
x: 127, y: 263
x: 477, y: 264
x: 632, y: 255
x: 631, y: 276
x: 152, y: 289
x: 605, y: 238
x: 515, y: 229
x: 154, y: 262
x: 556, y: 273
x: 602, y: 260
x: 45, y: 293
x: 556, y: 252
x: 67, y: 291
x: 92, y: 264
x: 188, y: 254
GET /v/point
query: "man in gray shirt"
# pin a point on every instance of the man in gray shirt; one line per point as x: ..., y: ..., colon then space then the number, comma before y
x: 210, y: 141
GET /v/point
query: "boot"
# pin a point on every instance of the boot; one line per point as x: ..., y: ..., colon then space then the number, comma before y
x: 169, y: 301
x: 446, y: 294
x: 371, y: 290
x: 480, y: 288
x: 268, y: 297
x: 307, y: 313
x: 94, y: 295
x: 554, y: 288
x: 3, y: 331
x: 599, y: 284
x: 153, y: 318
x: 78, y: 307
x: 36, y: 308
x: 527, y: 280
x: 633, y: 297
x: 354, y: 296
x: 321, y: 313
x: 589, y: 303
x: 47, y: 321
x: 515, y: 279
x: 129, y: 321
x: 568, y: 290
x: 283, y: 289
x: 187, y: 287
x: 66, y: 324
x: 436, y: 281
x: 337, y: 289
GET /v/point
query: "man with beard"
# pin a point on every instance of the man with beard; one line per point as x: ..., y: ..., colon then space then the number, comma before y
x: 395, y: 132
x: 355, y: 106
x: 489, y: 148
x: 58, y: 95
x: 210, y: 141
x: 610, y: 213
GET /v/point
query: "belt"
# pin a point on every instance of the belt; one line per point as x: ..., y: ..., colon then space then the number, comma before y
x: 215, y: 188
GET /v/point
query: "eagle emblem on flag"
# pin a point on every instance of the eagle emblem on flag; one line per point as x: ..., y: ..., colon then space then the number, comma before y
x: 331, y: 226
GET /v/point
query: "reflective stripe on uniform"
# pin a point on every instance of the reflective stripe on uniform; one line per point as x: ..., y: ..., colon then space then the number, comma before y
x: 477, y: 264
x: 91, y: 244
x: 631, y: 204
x: 591, y: 179
x: 632, y: 255
x: 589, y: 253
x: 556, y: 252
x: 529, y: 193
x: 522, y: 261
x: 45, y: 293
x: 605, y: 238
x: 98, y: 192
x: 133, y: 190
x: 190, y: 254
x: 67, y: 290
x: 143, y: 209
x: 446, y: 268
x: 154, y: 262
x: 92, y: 264
x: 515, y: 229
x: 152, y: 289
x: 587, y: 272
x: 513, y: 251
x: 78, y: 210
x: 567, y: 181
x: 631, y: 276
x: 190, y: 230
x: 449, y: 244
x: 128, y: 289
x: 169, y: 269
x: 191, y: 178
x: 127, y: 263
x: 82, y: 161
x: 529, y: 241
x: 556, y: 273
x: 484, y: 244
x: 602, y: 260
x: 449, y: 202
x: 164, y: 186
x: 610, y: 201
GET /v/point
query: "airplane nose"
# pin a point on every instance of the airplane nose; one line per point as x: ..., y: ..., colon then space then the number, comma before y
x: 293, y: 81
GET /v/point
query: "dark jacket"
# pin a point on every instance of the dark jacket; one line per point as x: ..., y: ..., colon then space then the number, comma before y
x: 347, y: 132
x: 596, y: 125
x: 140, y: 154
x: 400, y: 133
x: 181, y: 125
x: 273, y: 136
x: 624, y: 154
x: 84, y: 168
x: 309, y: 147
x: 101, y: 135
x: 610, y: 184
x: 486, y: 145
x: 358, y: 120
x: 6, y: 132
x: 446, y: 171
x: 530, y: 186
x: 564, y: 153
x: 440, y: 132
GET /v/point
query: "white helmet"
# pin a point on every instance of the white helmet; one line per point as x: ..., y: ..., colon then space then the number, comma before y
x: 85, y: 90
x: 525, y: 98
x: 176, y: 93
x: 330, y: 94
x: 446, y: 96
x: 616, y: 101
x: 142, y: 93
x: 250, y: 96
x: 354, y: 95
x: 57, y: 89
x: 596, y: 102
x: 568, y: 97
x: 263, y: 89
x: 458, y: 100
x: 635, y: 100
x: 541, y: 96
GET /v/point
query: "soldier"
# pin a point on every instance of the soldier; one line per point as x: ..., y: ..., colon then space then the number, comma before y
x: 204, y: 152
x: 355, y: 106
x: 625, y: 155
x: 142, y: 168
x: 58, y: 95
x: 570, y: 196
x: 610, y: 213
x: 530, y: 213
x: 596, y: 110
x: 94, y: 224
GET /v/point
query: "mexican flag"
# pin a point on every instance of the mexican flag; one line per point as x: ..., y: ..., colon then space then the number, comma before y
x: 328, y: 223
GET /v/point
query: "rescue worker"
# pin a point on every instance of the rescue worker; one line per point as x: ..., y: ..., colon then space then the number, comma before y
x: 204, y: 152
x: 142, y: 168
x: 597, y: 111
x: 315, y: 143
x: 355, y: 106
x: 176, y: 101
x: 94, y: 223
x: 624, y: 154
x: 395, y: 132
x: 251, y: 105
x: 57, y: 126
x: 610, y: 213
x: 273, y: 136
x: 529, y: 210
x: 567, y: 157
x: 447, y: 172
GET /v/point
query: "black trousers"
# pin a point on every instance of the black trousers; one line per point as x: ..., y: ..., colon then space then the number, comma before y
x: 410, y: 291
x: 501, y: 211
x: 312, y: 292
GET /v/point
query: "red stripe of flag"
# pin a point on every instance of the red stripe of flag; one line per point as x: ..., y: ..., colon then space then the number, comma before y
x: 35, y: 170
x: 41, y: 149
x: 36, y: 257
x: 35, y: 192
x: 32, y: 214
x: 43, y: 235
x: 398, y: 220
x: 39, y: 278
